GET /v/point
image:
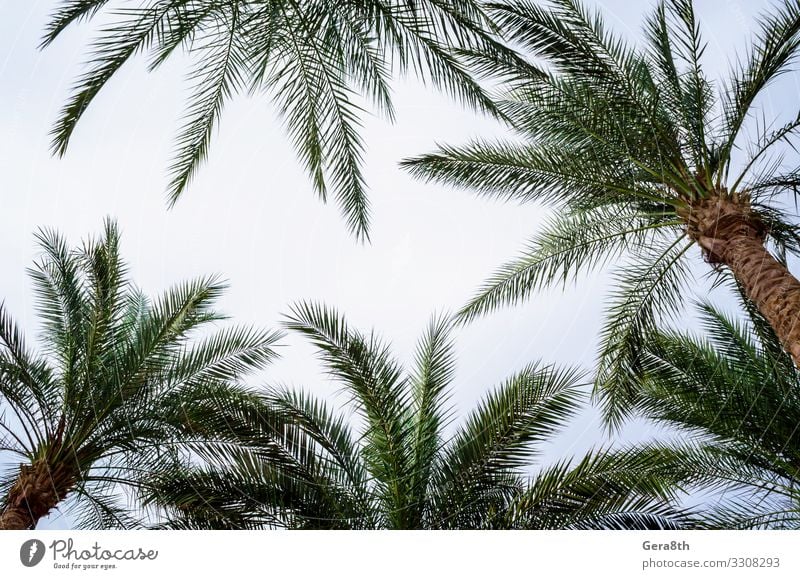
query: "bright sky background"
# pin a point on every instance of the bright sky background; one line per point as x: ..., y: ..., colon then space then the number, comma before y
x: 251, y: 214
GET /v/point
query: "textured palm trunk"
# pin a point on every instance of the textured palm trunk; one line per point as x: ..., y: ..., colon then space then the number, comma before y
x: 732, y: 235
x: 37, y: 490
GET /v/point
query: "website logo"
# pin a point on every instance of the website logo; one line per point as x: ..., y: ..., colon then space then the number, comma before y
x: 32, y: 552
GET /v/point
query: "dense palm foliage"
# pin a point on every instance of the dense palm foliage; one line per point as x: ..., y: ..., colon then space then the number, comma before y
x: 300, y: 465
x: 320, y: 61
x: 135, y: 408
x: 635, y: 147
x: 734, y: 399
x: 113, y: 395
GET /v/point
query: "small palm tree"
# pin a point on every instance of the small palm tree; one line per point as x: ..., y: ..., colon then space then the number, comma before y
x: 635, y: 149
x: 305, y: 467
x: 318, y: 60
x: 734, y: 400
x: 117, y: 387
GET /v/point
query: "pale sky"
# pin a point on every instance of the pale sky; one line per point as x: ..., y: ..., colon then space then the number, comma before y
x: 251, y: 215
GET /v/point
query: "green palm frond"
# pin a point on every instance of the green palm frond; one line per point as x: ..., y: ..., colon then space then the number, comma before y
x: 331, y: 433
x: 287, y: 458
x: 70, y: 11
x: 646, y: 291
x: 132, y: 34
x: 500, y: 433
x: 218, y: 74
x: 569, y: 244
x: 434, y: 373
x: 378, y: 388
x: 544, y: 173
x: 319, y: 110
x: 315, y: 59
x: 595, y: 492
x: 732, y: 392
x: 500, y: 437
x: 735, y: 392
x: 26, y: 384
x: 772, y: 52
x: 228, y: 355
x: 696, y: 91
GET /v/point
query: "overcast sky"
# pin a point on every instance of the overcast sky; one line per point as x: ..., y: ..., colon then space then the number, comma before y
x: 251, y: 215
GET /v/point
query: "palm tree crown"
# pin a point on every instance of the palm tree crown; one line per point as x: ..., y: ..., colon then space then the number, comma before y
x: 119, y: 383
x: 635, y: 147
x: 734, y: 400
x: 304, y: 467
x: 315, y: 58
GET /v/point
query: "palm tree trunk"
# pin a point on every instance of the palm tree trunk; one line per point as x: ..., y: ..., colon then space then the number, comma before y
x: 732, y: 235
x: 37, y: 490
x: 770, y: 286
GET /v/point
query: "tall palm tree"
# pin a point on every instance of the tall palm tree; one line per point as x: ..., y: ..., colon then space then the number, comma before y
x: 118, y: 384
x: 317, y: 59
x: 635, y: 147
x: 304, y: 466
x: 733, y: 398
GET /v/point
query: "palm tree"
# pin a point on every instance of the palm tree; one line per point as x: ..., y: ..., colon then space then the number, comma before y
x: 733, y: 398
x: 634, y: 147
x: 304, y: 466
x: 117, y: 387
x: 318, y: 60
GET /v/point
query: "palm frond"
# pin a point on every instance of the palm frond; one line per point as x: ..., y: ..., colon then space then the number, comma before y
x: 433, y: 375
x: 572, y: 243
x: 121, y: 40
x: 218, y: 73
x: 321, y: 115
x: 628, y: 489
x: 501, y: 435
x: 70, y: 12
x: 647, y: 291
x: 378, y: 389
x: 772, y: 53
